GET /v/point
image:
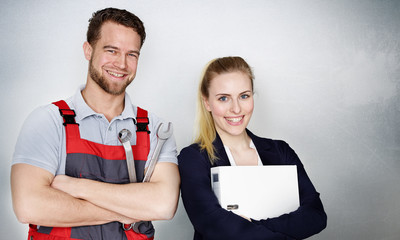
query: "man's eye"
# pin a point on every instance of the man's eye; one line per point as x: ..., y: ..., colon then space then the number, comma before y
x: 133, y: 55
x: 111, y: 51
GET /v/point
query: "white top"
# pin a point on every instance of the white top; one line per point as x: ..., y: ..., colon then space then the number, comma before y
x: 232, y: 160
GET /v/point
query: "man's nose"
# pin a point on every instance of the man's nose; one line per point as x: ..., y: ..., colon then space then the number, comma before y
x: 120, y: 62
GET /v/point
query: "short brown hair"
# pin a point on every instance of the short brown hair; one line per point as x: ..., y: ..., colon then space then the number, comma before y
x: 120, y: 16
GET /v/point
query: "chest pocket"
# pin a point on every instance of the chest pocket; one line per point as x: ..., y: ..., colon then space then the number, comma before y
x: 82, y: 165
x: 111, y: 169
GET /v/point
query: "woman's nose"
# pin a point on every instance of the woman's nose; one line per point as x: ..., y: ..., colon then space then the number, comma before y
x: 235, y: 107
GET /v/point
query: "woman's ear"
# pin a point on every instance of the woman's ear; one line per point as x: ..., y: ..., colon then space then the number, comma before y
x: 206, y: 103
x: 87, y: 50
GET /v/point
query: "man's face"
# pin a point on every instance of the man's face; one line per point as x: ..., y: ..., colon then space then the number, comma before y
x: 113, y: 58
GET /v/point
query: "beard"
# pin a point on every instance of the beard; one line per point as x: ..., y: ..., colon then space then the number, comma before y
x: 108, y: 87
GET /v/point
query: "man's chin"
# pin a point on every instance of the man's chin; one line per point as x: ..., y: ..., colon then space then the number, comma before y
x: 116, y: 89
x: 115, y: 92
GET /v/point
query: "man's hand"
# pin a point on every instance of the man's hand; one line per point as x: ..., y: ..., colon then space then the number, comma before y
x: 39, y: 198
x: 66, y: 184
x: 72, y: 185
x: 154, y: 200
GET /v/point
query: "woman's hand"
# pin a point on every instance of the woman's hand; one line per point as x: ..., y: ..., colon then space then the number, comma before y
x: 248, y: 219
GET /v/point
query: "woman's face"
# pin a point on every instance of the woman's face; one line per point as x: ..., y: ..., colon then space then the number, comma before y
x: 230, y: 102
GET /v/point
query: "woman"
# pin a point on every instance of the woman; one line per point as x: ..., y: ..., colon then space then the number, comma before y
x: 225, y: 106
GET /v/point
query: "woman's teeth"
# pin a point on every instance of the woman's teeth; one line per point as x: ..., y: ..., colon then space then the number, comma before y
x: 234, y: 120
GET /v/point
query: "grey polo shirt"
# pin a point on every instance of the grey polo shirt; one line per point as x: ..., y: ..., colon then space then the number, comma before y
x: 42, y: 138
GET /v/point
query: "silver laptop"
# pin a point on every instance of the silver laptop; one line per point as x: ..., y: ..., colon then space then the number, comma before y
x: 258, y: 192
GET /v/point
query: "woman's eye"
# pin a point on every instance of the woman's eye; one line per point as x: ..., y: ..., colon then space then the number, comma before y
x: 244, y: 96
x: 223, y: 98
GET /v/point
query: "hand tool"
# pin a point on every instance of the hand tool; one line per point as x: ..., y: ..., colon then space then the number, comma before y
x: 162, y: 136
x: 124, y: 137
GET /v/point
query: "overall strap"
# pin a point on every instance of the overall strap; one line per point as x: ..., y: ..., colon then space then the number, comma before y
x: 142, y: 134
x: 71, y: 127
x: 72, y: 131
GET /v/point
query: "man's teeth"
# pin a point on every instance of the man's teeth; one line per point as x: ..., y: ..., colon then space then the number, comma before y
x: 115, y: 74
x: 235, y: 120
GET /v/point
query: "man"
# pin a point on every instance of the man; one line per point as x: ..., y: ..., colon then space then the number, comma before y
x: 69, y: 177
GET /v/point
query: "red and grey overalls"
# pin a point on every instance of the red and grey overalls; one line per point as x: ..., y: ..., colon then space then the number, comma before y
x: 105, y: 163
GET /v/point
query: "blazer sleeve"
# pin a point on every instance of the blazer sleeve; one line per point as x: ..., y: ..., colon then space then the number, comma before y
x: 208, y: 218
x: 310, y: 218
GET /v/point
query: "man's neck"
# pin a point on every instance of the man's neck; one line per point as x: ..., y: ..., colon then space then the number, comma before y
x: 101, y: 102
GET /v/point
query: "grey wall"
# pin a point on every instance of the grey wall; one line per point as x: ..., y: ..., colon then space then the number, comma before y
x: 327, y: 82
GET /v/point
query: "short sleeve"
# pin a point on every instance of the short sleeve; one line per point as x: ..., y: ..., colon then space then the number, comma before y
x: 39, y: 141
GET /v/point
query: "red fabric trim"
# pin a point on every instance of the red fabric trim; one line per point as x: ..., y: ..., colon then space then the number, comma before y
x: 56, y: 234
x: 61, y: 104
x: 143, y: 137
x: 71, y: 129
x: 61, y: 232
x: 106, y: 151
x: 142, y: 116
x: 132, y: 235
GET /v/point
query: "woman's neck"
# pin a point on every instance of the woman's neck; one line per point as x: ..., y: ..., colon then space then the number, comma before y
x: 239, y: 146
x: 237, y: 142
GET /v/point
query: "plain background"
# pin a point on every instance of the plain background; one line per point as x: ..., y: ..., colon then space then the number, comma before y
x: 327, y: 82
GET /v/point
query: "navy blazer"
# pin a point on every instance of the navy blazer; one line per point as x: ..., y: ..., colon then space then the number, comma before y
x: 211, y: 221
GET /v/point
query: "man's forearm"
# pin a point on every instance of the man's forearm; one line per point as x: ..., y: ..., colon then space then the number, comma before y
x: 58, y: 209
x: 155, y: 200
x: 37, y: 203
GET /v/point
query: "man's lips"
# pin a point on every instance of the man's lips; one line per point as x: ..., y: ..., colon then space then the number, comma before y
x: 115, y: 74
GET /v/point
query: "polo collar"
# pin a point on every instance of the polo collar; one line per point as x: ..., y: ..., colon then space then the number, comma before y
x: 83, y: 110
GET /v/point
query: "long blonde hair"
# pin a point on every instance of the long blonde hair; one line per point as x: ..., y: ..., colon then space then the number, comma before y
x: 206, y: 132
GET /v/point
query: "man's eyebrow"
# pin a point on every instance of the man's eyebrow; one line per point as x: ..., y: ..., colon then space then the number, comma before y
x: 116, y: 48
x: 110, y: 46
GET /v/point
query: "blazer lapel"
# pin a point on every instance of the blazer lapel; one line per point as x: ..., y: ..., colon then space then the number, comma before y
x: 263, y: 147
x: 220, y: 152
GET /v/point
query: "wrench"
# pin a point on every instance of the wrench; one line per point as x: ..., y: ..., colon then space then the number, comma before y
x: 162, y: 136
x: 124, y: 137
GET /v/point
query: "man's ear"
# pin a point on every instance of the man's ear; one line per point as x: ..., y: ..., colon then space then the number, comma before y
x: 87, y: 50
